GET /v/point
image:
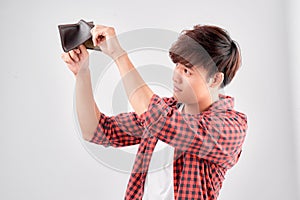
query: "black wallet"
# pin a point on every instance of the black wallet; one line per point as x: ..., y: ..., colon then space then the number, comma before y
x: 73, y: 35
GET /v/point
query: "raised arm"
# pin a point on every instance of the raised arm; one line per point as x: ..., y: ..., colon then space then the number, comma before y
x: 139, y: 94
x: 120, y: 130
x: 78, y: 62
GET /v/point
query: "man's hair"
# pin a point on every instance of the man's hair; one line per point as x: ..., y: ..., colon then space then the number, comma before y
x: 209, y: 47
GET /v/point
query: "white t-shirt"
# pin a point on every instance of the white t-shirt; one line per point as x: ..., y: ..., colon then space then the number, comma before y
x: 159, y: 180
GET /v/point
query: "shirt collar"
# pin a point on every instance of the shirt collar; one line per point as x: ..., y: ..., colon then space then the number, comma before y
x: 224, y: 103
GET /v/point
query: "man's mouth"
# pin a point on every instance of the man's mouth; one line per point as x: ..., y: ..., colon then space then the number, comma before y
x: 176, y: 89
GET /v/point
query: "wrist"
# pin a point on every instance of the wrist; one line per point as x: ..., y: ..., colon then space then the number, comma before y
x: 121, y: 59
x: 82, y: 72
x: 118, y: 55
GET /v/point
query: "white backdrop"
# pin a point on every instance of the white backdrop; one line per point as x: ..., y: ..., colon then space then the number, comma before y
x: 42, y: 156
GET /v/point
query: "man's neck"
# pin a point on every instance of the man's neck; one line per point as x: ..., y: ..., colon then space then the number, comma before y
x: 200, y: 106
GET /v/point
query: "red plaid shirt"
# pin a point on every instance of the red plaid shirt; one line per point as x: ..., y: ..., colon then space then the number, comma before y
x: 206, y: 145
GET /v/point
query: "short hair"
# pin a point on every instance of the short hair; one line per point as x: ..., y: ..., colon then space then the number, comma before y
x: 209, y: 47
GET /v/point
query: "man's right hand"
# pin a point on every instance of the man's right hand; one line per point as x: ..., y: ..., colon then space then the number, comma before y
x: 105, y: 37
x: 77, y: 59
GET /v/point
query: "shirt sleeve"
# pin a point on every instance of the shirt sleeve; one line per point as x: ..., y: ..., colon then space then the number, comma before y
x: 118, y: 131
x: 214, y: 135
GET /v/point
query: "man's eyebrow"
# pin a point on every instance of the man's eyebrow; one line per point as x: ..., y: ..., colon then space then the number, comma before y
x: 191, y: 68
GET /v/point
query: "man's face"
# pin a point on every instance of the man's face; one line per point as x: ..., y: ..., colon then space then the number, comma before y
x: 189, y: 84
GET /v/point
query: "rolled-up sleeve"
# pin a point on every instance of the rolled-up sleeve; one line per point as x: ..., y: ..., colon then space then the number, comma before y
x: 121, y: 130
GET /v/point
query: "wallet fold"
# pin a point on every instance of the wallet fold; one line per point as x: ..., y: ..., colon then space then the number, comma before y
x: 73, y: 35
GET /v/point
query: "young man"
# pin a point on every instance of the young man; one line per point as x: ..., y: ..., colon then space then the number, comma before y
x: 198, y: 123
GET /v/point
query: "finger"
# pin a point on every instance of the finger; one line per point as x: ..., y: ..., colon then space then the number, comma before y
x: 95, y: 39
x: 77, y: 51
x: 97, y: 28
x: 82, y: 49
x: 73, y: 55
x: 98, y: 34
x: 67, y: 59
x: 84, y: 53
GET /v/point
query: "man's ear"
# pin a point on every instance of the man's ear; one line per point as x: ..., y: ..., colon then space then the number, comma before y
x: 216, y: 80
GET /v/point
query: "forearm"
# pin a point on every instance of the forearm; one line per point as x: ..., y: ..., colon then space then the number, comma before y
x: 87, y: 110
x: 138, y: 92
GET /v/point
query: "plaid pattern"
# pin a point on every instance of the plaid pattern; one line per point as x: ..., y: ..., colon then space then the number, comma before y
x: 206, y: 145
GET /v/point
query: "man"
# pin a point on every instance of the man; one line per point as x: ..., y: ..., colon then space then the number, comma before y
x: 198, y: 124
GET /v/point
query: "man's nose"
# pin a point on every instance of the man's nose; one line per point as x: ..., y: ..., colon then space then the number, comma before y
x: 177, y: 77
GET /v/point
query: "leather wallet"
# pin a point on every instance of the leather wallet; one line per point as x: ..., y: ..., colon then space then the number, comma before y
x: 73, y: 35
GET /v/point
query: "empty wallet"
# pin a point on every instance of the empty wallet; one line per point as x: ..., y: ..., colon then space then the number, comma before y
x: 73, y: 35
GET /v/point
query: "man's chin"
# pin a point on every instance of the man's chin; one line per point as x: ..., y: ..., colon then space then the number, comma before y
x: 176, y: 97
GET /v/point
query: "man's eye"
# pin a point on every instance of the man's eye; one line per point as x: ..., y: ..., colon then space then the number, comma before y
x: 187, y: 72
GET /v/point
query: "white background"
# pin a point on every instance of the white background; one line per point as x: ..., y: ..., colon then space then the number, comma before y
x: 42, y: 156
